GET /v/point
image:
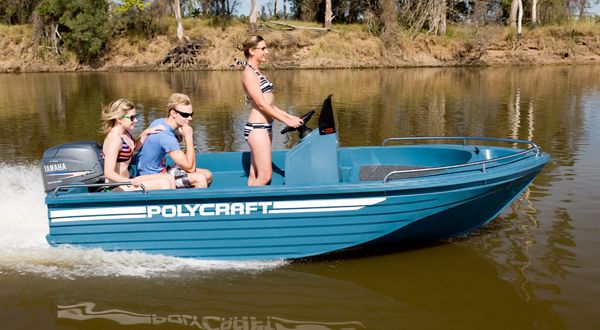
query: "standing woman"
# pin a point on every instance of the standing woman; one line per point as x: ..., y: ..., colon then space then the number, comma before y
x: 119, y: 120
x: 259, y: 128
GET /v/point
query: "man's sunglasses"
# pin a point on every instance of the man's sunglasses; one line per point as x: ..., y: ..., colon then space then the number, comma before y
x: 130, y: 117
x: 184, y: 114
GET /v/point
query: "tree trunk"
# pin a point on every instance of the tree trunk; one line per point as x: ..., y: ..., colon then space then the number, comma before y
x: 275, y: 9
x: 180, y: 41
x: 253, y: 16
x: 514, y: 8
x: 389, y: 14
x: 328, y: 14
x: 284, y: 9
x: 582, y: 5
x: 440, y: 17
x: 520, y: 19
x: 534, y: 13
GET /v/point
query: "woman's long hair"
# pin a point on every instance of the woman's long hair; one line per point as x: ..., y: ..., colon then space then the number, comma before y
x: 114, y: 111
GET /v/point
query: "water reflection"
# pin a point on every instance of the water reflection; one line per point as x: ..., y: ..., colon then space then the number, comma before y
x: 408, y: 293
x: 540, y: 256
x: 541, y: 103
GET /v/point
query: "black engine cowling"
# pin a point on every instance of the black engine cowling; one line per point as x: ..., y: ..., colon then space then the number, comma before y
x: 72, y: 163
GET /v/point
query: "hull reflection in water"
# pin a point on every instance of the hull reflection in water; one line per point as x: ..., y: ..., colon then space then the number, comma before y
x: 86, y: 311
x: 424, y: 288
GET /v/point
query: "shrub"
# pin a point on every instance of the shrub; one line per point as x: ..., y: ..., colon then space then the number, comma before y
x: 148, y: 20
x: 17, y: 11
x: 83, y: 24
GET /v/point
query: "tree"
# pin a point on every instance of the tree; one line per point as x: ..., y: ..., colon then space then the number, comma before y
x: 437, y: 21
x: 514, y: 8
x: 84, y: 25
x: 140, y: 17
x: 431, y: 14
x: 177, y: 9
x: 17, y: 11
x: 253, y: 16
x: 582, y: 4
x: 534, y: 4
x: 328, y: 15
x: 389, y: 15
x: 520, y: 19
x: 275, y: 8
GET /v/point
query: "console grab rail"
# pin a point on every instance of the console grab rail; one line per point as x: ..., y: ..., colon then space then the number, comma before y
x: 465, y: 139
x: 533, y: 148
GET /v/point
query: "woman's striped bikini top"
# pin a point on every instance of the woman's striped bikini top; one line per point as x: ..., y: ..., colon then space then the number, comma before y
x: 265, y: 85
x: 126, y: 152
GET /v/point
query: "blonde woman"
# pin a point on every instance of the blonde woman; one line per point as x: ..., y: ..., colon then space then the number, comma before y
x: 119, y: 120
x: 258, y: 130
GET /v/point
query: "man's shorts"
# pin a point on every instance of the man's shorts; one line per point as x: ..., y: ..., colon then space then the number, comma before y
x: 181, y: 177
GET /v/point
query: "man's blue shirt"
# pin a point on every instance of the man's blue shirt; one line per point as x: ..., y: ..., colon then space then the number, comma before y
x: 151, y: 159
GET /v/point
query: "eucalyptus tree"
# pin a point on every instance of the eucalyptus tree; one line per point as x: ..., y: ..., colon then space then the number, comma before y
x: 253, y: 16
x: 418, y: 14
x: 514, y: 8
x: 328, y: 15
x: 520, y: 18
x: 534, y: 8
x: 177, y: 11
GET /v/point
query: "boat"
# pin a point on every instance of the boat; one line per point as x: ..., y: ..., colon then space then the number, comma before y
x: 323, y: 198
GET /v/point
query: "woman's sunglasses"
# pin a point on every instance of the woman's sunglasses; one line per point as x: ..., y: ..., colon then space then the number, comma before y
x: 130, y: 117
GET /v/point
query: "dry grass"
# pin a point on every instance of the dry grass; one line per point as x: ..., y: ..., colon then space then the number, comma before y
x: 350, y: 46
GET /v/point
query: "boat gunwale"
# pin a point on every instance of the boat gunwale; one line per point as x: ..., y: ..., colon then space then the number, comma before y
x: 436, y: 181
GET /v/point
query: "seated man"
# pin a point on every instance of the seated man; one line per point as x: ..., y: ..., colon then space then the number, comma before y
x: 151, y: 158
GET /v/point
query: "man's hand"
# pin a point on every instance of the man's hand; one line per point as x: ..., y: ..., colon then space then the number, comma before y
x: 186, y: 131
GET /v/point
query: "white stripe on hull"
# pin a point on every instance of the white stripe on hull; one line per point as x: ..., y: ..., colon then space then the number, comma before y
x: 98, y: 211
x: 278, y: 207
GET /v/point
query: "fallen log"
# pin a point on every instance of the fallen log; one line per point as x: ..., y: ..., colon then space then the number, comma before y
x: 293, y: 27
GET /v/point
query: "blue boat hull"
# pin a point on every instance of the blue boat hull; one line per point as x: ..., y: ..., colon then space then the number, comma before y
x: 231, y: 221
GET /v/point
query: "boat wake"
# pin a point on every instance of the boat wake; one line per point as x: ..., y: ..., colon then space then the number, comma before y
x: 24, y: 250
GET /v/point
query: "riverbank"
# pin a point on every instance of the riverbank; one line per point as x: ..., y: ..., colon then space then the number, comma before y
x: 348, y: 46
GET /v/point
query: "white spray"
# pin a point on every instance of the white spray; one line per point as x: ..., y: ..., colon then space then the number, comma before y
x: 23, y: 246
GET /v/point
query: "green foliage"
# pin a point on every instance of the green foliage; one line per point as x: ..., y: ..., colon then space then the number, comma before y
x: 142, y: 18
x: 139, y: 4
x: 17, y: 11
x: 83, y: 24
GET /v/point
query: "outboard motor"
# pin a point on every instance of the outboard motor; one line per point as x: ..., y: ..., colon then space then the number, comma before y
x: 72, y: 163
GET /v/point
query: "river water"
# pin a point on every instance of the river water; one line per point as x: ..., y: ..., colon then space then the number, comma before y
x: 535, y: 267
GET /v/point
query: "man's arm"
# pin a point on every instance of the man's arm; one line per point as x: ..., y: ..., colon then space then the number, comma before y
x: 187, y: 160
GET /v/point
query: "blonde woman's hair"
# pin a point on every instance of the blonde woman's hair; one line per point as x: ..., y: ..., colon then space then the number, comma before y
x: 113, y: 112
x: 176, y: 99
x: 251, y: 42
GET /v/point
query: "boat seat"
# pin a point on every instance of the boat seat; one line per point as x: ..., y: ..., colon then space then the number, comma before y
x: 378, y: 172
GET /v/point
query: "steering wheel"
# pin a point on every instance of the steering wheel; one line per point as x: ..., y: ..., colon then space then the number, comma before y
x: 305, y: 118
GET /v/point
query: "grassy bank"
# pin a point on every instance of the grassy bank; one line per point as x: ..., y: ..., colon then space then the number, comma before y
x: 349, y: 46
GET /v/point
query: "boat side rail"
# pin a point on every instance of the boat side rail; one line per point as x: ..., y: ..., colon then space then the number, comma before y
x: 533, y: 149
x: 464, y: 139
x: 58, y: 189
